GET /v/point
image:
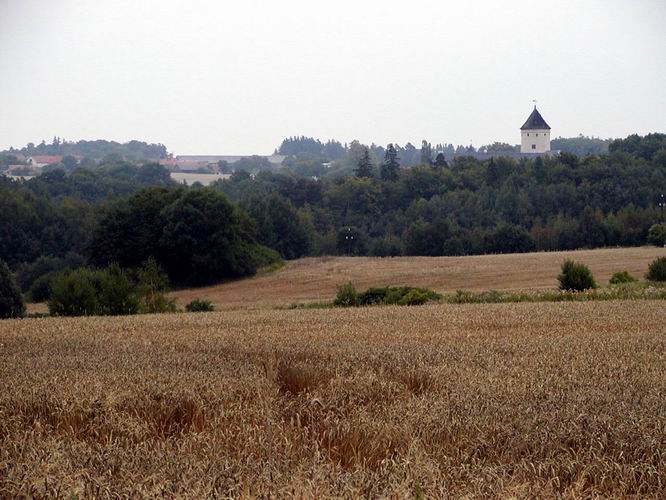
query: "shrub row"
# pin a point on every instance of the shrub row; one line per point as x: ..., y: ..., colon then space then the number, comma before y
x: 347, y: 296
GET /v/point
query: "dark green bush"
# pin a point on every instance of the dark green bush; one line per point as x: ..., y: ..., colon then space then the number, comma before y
x: 346, y: 296
x: 414, y: 298
x: 200, y: 305
x: 40, y: 289
x: 74, y: 293
x: 116, y: 292
x: 575, y: 277
x: 390, y: 295
x: 372, y: 296
x: 11, y: 302
x: 657, y: 235
x: 28, y: 274
x: 109, y: 292
x: 621, y: 277
x: 657, y: 270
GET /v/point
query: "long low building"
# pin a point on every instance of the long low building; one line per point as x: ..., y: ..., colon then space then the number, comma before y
x: 276, y: 159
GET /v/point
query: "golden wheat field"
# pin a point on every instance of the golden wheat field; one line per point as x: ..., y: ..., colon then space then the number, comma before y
x: 316, y: 278
x: 497, y: 400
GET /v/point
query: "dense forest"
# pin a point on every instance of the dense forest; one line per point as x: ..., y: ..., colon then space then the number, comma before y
x: 94, y: 150
x: 123, y: 212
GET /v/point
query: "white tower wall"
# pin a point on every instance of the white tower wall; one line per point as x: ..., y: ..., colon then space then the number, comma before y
x: 535, y: 141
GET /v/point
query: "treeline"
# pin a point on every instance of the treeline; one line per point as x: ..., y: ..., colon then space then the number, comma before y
x: 124, y: 214
x: 308, y: 148
x: 96, y: 150
x: 468, y: 207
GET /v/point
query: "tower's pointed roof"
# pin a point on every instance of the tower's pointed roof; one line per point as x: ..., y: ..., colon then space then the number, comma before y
x: 535, y: 121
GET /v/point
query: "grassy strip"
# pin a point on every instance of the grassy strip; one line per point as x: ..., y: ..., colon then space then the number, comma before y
x: 598, y: 294
x: 634, y: 291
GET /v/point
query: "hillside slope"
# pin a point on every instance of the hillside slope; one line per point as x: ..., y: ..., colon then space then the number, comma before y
x: 316, y: 278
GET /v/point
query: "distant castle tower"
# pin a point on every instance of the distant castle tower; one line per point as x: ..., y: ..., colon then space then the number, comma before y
x: 535, y: 134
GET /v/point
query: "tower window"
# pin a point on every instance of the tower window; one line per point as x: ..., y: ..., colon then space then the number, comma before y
x: 533, y: 146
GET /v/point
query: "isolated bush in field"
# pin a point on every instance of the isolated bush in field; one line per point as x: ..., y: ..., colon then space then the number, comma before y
x: 346, y: 296
x: 576, y: 277
x: 621, y: 277
x: 74, y: 293
x: 11, y: 302
x: 200, y: 305
x: 657, y: 235
x: 657, y: 270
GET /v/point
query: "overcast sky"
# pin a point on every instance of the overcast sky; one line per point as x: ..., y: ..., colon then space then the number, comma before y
x: 236, y: 77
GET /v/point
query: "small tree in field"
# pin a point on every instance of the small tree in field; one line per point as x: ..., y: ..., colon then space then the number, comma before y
x: 575, y: 277
x: 11, y: 302
x: 153, y: 285
x: 346, y: 296
x: 657, y: 270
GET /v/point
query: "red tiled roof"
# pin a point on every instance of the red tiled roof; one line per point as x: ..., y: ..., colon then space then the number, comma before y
x: 47, y: 159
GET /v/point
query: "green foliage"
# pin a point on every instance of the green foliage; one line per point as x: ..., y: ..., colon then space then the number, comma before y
x: 40, y: 289
x: 621, y: 277
x: 414, y: 298
x: 657, y: 235
x: 646, y: 147
x: 630, y: 291
x: 280, y: 226
x: 116, y: 292
x: 575, y: 277
x: 98, y: 149
x: 581, y: 145
x: 74, y: 293
x: 35, y: 278
x: 657, y: 270
x: 266, y: 259
x: 400, y: 295
x: 152, y: 288
x: 346, y: 296
x: 391, y: 166
x: 11, y: 302
x: 364, y: 166
x: 200, y: 305
x: 197, y: 236
x: 110, y: 292
x: 87, y: 292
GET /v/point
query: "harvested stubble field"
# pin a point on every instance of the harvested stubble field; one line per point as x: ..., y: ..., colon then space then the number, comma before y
x: 509, y: 400
x: 316, y: 278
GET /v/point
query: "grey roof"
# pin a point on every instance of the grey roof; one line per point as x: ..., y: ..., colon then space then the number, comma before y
x: 535, y: 121
x: 228, y: 158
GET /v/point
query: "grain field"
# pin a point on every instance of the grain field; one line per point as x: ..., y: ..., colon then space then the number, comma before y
x: 497, y: 400
x: 316, y: 278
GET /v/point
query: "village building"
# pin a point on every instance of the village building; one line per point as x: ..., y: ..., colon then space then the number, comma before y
x: 39, y: 161
x: 535, y: 134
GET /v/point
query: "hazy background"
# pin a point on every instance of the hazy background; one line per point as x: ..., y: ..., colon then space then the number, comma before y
x: 237, y: 77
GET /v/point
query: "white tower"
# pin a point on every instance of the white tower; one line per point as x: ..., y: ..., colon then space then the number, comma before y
x: 535, y: 134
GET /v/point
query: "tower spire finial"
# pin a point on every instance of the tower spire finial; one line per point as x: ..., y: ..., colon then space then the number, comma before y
x: 534, y: 101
